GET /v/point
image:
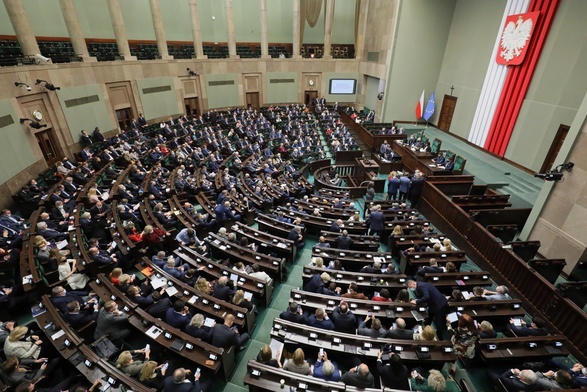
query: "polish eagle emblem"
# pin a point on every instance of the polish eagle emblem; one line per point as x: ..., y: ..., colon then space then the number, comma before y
x: 515, y: 37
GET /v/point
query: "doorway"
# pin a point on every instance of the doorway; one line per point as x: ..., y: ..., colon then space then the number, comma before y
x: 253, y: 100
x: 310, y: 96
x: 192, y: 107
x: 124, y: 118
x: 555, y: 148
x: 49, y: 147
x: 448, y: 108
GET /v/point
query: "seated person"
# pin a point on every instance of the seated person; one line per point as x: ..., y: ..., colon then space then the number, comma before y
x: 486, y: 330
x: 78, y: 318
x: 197, y: 329
x: 297, y: 363
x: 371, y: 326
x: 477, y: 294
x: 325, y: 368
x: 265, y: 357
x: 294, y: 313
x: 178, y: 316
x: 398, y: 330
x: 320, y: 320
x: 501, y: 292
x: 536, y: 328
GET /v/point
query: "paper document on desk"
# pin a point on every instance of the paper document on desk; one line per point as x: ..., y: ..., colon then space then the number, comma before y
x: 209, y: 322
x: 158, y: 283
x: 281, y: 245
x: 105, y: 196
x: 57, y: 334
x: 154, y: 332
x: 193, y: 299
x: 276, y: 347
x: 466, y: 295
x: 453, y: 317
x: 61, y: 244
x: 380, y: 259
x: 171, y: 291
x: 27, y: 279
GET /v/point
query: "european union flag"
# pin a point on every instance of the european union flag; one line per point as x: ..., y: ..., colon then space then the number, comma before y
x: 429, y: 111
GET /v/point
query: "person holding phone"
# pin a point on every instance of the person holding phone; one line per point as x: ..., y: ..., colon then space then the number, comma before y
x: 325, y: 368
x: 178, y: 382
x: 152, y: 375
x: 394, y: 374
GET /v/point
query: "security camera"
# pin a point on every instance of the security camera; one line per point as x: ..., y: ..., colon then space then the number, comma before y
x: 40, y: 58
x: 28, y: 88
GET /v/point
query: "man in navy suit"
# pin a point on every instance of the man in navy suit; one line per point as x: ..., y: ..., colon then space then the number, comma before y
x: 376, y: 221
x: 178, y: 316
x: 78, y: 318
x: 519, y: 380
x: 224, y: 213
x: 222, y: 291
x: 178, y: 382
x: 536, y: 328
x: 293, y: 314
x: 60, y: 298
x: 226, y: 335
x: 436, y: 301
x: 317, y: 283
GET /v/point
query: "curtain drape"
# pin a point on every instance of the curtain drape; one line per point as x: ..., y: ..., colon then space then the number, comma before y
x: 310, y: 11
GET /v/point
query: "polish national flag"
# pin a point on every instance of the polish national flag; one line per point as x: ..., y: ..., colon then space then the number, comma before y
x: 420, y: 106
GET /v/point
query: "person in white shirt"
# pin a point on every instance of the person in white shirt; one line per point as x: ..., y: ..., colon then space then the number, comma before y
x: 259, y: 274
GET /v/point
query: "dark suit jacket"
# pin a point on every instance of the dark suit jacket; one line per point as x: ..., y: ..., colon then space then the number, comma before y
x: 315, y: 285
x: 170, y: 386
x: 294, y: 317
x: 203, y: 333
x: 431, y: 296
x: 402, y: 334
x: 513, y: 383
x: 343, y: 242
x: 159, y: 308
x: 224, y: 337
x: 395, y: 380
x: 80, y: 319
x: 176, y: 320
x: 61, y: 302
x: 377, y: 221
x: 223, y: 292
x: 346, y: 323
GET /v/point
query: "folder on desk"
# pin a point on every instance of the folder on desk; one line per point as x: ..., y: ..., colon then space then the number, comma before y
x: 154, y: 332
x: 147, y: 271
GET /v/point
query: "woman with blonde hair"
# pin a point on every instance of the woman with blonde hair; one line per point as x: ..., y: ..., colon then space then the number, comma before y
x: 22, y: 347
x: 203, y: 286
x: 93, y: 197
x: 355, y: 218
x: 317, y: 262
x: 265, y: 357
x: 127, y: 364
x: 298, y: 363
x: 15, y: 373
x: 446, y: 245
x: 43, y: 253
x: 239, y: 300
x: 68, y: 271
x: 398, y: 231
x: 427, y: 334
x: 152, y: 375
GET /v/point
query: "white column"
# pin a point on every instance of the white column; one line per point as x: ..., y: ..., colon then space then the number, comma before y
x: 296, y: 30
x: 329, y: 20
x: 360, y: 40
x: 264, y: 35
x: 75, y: 31
x: 197, y: 34
x: 230, y: 30
x: 119, y: 30
x: 159, y: 29
x: 22, y: 27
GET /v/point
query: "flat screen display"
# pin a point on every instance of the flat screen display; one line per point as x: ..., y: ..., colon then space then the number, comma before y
x: 342, y: 86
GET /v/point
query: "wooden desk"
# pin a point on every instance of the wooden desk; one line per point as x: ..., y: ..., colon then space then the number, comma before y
x: 497, y: 312
x: 360, y: 242
x: 267, y: 242
x: 260, y: 289
x: 410, y: 262
x: 518, y: 348
x: 342, y: 344
x: 142, y: 321
x: 215, y: 308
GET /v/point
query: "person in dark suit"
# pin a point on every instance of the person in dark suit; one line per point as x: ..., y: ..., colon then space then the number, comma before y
x: 85, y: 140
x: 376, y: 221
x: 394, y: 374
x: 224, y: 213
x: 222, y: 291
x: 343, y: 319
x: 134, y: 294
x: 519, y: 380
x: 336, y: 226
x: 293, y: 314
x: 296, y: 236
x: 197, y: 329
x: 178, y: 316
x: 61, y: 297
x: 78, y: 318
x: 111, y: 321
x: 433, y: 268
x: 178, y: 382
x: 98, y: 137
x: 343, y: 241
x: 416, y: 189
x: 227, y: 335
x: 160, y: 305
x: 450, y: 164
x: 399, y: 331
x: 536, y: 328
x: 50, y: 234
x: 317, y: 283
x: 436, y: 301
x: 404, y: 186
x: 392, y: 187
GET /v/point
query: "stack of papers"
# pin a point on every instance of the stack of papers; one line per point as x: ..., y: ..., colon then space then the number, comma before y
x: 154, y: 332
x: 158, y: 283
